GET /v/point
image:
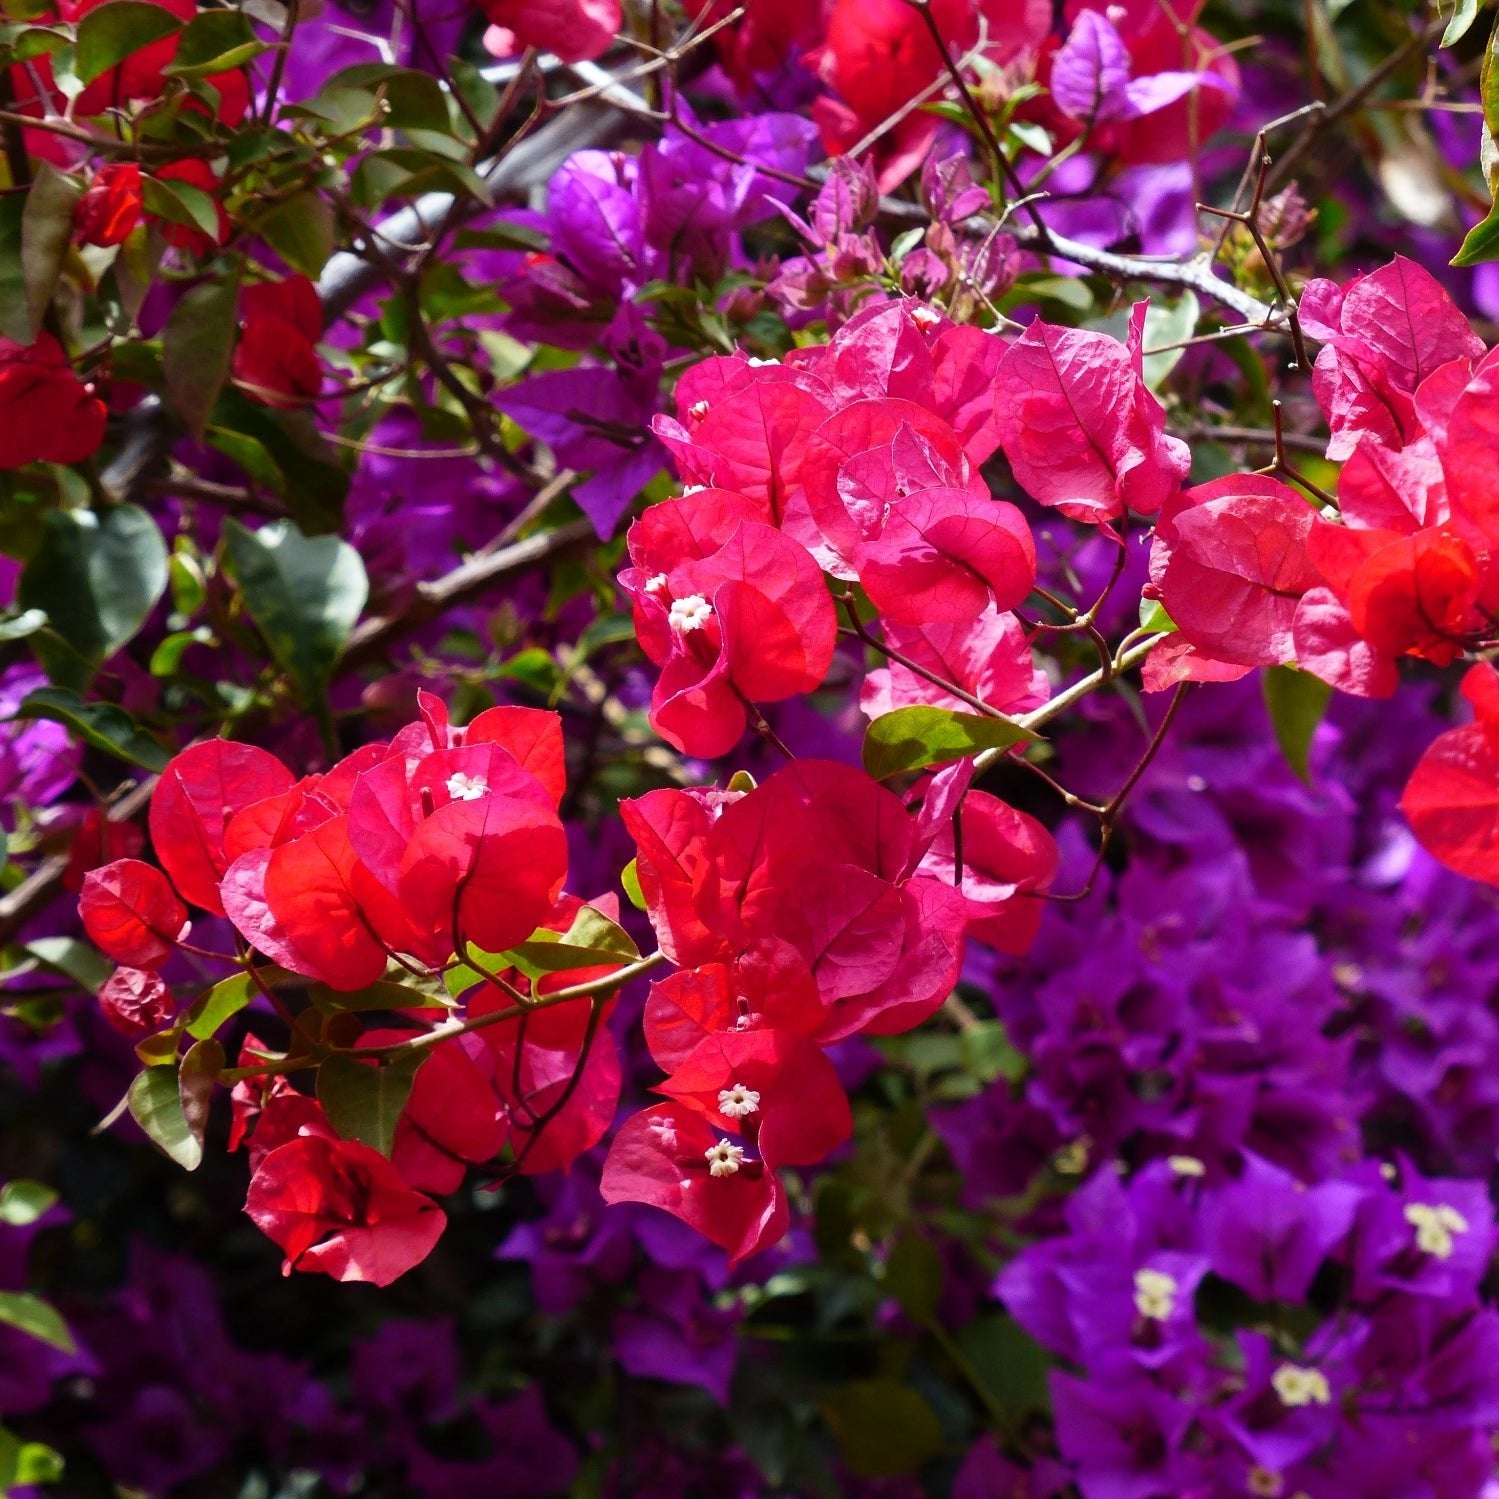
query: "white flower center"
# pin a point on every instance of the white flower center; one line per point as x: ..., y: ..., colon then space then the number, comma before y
x: 1298, y: 1386
x: 698, y: 410
x: 1155, y: 1294
x: 924, y: 317
x: 1436, y: 1224
x: 724, y: 1159
x: 688, y: 489
x: 737, y: 1101
x: 1186, y: 1165
x: 761, y: 363
x: 463, y: 788
x: 655, y: 583
x: 691, y: 613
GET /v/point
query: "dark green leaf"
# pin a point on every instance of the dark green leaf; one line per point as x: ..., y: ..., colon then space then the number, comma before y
x: 1296, y: 701
x: 195, y: 1084
x: 23, y: 1202
x: 305, y: 594
x: 181, y: 203
x: 363, y: 1100
x: 913, y: 1276
x: 33, y: 1315
x: 214, y: 42
x: 156, y: 1105
x: 46, y: 234
x: 301, y: 230
x: 413, y: 100
x: 592, y: 941
x: 195, y: 350
x: 989, y: 1054
x: 384, y: 994
x: 910, y: 738
x: 1011, y: 1365
x: 96, y: 578
x: 224, y: 1001
x: 1482, y: 242
x: 102, y: 725
x: 110, y: 33
x: 15, y: 314
x: 884, y: 1428
x: 73, y: 959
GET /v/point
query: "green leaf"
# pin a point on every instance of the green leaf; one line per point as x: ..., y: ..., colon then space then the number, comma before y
x: 15, y: 313
x: 96, y: 578
x: 219, y: 1005
x: 26, y: 1464
x: 305, y: 594
x: 302, y: 231
x: 19, y: 626
x: 1296, y: 701
x: 214, y: 42
x: 989, y: 1054
x: 383, y: 994
x: 1154, y: 619
x: 629, y: 877
x: 884, y: 1428
x: 1012, y: 1366
x: 592, y: 941
x: 195, y: 1084
x: 910, y: 738
x: 413, y: 100
x: 23, y: 1202
x: 180, y: 203
x: 102, y: 725
x: 914, y: 1276
x: 363, y: 1100
x: 1481, y: 243
x: 46, y: 235
x: 33, y: 1315
x: 196, y: 345
x: 108, y: 35
x: 1463, y: 17
x: 73, y: 959
x: 156, y: 1105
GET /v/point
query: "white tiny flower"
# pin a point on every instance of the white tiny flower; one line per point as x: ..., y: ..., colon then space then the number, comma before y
x: 464, y: 788
x: 690, y: 613
x: 761, y: 363
x: 1186, y: 1165
x: 925, y: 317
x: 1436, y: 1226
x: 688, y: 489
x: 724, y: 1159
x: 737, y: 1101
x: 698, y: 410
x: 1298, y: 1386
x: 665, y: 1131
x: 1155, y: 1294
x: 655, y: 583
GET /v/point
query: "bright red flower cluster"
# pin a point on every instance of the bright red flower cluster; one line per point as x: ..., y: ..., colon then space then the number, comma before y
x: 813, y: 907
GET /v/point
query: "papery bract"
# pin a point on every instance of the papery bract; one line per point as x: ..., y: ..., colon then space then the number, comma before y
x: 131, y: 912
x: 275, y: 361
x: 136, y: 1002
x: 198, y: 793
x: 340, y: 1208
x: 47, y: 413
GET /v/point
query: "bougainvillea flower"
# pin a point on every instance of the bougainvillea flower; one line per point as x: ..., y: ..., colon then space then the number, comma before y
x: 111, y: 206
x: 672, y: 1158
x: 1081, y: 430
x: 198, y: 793
x: 452, y: 1118
x: 820, y: 856
x: 131, y: 912
x: 750, y: 621
x: 1470, y: 455
x: 1452, y: 797
x: 986, y: 655
x: 1230, y: 563
x: 1388, y: 489
x: 1383, y: 335
x: 767, y: 985
x: 99, y: 840
x: 136, y: 1002
x: 1008, y: 858
x: 340, y: 1208
x: 47, y: 414
x: 778, y: 1089
x: 575, y: 30
x: 275, y: 361
x: 1417, y: 595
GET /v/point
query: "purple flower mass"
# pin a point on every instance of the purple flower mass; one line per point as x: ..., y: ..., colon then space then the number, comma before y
x: 749, y: 751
